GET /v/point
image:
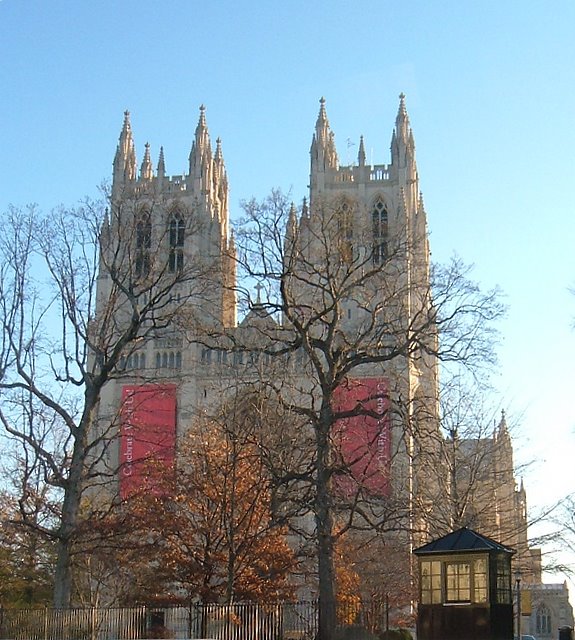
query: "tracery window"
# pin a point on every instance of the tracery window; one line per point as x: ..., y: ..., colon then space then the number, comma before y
x: 380, y: 232
x: 176, y: 233
x: 543, y: 620
x: 143, y: 245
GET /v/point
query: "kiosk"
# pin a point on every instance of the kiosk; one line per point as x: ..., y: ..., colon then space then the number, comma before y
x: 464, y: 588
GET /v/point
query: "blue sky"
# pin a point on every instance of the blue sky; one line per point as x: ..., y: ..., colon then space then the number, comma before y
x: 490, y: 92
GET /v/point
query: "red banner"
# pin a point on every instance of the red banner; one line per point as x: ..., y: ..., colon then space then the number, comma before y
x: 147, y: 435
x: 363, y: 441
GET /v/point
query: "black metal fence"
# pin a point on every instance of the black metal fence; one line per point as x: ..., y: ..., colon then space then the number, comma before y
x: 241, y: 621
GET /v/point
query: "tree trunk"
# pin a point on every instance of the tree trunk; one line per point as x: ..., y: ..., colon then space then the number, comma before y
x: 70, y: 513
x: 324, y: 523
x: 63, y: 575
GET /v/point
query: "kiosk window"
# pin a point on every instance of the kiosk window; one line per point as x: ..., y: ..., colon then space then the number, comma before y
x: 457, y: 582
x: 431, y: 582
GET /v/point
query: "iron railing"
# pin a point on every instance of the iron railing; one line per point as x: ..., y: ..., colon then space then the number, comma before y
x: 238, y: 621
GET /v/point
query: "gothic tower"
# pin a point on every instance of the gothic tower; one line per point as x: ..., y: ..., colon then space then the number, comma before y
x: 167, y: 265
x: 181, y: 220
x: 374, y: 220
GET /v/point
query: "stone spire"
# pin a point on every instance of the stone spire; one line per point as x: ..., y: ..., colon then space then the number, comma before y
x: 421, y: 220
x: 220, y: 175
x: 361, y: 153
x: 420, y: 239
x: 322, y: 130
x: 402, y: 120
x: 146, y: 171
x: 220, y: 187
x: 503, y: 430
x: 292, y: 219
x: 219, y: 158
x: 291, y: 230
x: 161, y: 170
x: 420, y: 203
x: 201, y: 155
x: 304, y: 209
x: 323, y: 153
x: 125, y: 158
x: 402, y: 142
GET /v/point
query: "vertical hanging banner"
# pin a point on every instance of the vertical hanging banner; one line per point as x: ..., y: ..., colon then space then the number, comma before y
x: 147, y: 435
x: 363, y: 441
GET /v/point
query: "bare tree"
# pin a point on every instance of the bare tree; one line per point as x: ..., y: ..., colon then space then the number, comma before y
x: 340, y: 309
x: 57, y: 355
x: 475, y: 460
x: 557, y: 533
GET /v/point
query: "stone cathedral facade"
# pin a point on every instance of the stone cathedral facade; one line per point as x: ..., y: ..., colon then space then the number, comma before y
x: 189, y: 360
x: 183, y: 221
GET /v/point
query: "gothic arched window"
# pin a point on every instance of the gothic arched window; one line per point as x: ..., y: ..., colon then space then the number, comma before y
x: 176, y: 233
x: 543, y: 620
x: 380, y: 232
x: 143, y: 245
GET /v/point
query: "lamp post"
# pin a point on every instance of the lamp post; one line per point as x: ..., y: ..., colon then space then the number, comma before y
x: 518, y: 594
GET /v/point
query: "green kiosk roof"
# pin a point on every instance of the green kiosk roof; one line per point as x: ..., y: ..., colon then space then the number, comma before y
x: 463, y: 539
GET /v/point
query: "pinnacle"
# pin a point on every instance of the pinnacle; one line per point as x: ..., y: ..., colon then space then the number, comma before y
x: 402, y: 133
x: 218, y: 155
x: 304, y: 209
x: 402, y: 111
x: 361, y: 152
x: 202, y: 128
x: 125, y: 158
x: 146, y: 168
x: 202, y: 120
x: 322, y: 116
x: 503, y: 422
x: 161, y: 163
x: 126, y: 127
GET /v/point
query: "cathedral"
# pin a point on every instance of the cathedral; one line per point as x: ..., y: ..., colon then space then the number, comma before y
x: 342, y: 324
x: 178, y: 227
